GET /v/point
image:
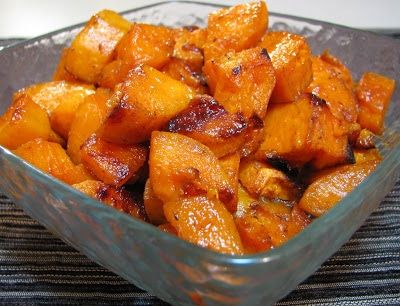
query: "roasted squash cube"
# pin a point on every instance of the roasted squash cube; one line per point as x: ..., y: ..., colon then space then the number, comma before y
x: 235, y: 29
x: 291, y: 58
x: 242, y: 82
x: 118, y: 198
x: 94, y: 46
x: 50, y: 95
x: 89, y: 116
x: 145, y: 102
x: 205, y: 222
x: 113, y: 164
x: 262, y: 180
x: 189, y: 45
x: 374, y: 93
x: 328, y: 84
x: 181, y: 167
x: 340, y: 69
x: 153, y: 205
x: 208, y: 122
x: 23, y: 121
x: 180, y: 70
x: 62, y: 74
x: 332, y: 185
x: 230, y: 164
x: 51, y: 158
x: 304, y: 131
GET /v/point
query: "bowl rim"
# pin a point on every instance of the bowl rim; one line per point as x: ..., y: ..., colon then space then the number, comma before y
x: 390, y: 164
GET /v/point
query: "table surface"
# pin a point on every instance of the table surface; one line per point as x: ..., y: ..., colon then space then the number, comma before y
x: 38, y: 268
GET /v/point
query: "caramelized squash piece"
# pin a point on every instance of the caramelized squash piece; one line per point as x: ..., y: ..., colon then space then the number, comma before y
x: 153, y: 205
x: 181, y: 167
x: 189, y: 45
x: 329, y: 85
x: 113, y: 164
x: 208, y: 122
x: 51, y: 158
x: 89, y: 116
x: 340, y: 69
x: 242, y: 82
x: 291, y: 58
x: 334, y: 184
x: 180, y: 70
x: 50, y: 95
x: 268, y: 225
x: 235, y: 29
x: 94, y: 46
x: 364, y: 140
x: 145, y: 102
x: 23, y: 121
x: 143, y: 44
x: 363, y: 155
x: 205, y: 222
x: 302, y: 132
x: 230, y: 164
x: 118, y: 198
x: 374, y: 93
x: 262, y: 180
x: 62, y: 74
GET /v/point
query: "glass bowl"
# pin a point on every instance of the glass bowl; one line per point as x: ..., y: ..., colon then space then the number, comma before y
x: 170, y: 268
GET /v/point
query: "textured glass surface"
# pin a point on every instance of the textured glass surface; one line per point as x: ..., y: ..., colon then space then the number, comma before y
x: 166, y: 266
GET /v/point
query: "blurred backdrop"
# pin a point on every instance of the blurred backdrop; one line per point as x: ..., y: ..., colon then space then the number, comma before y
x: 27, y: 18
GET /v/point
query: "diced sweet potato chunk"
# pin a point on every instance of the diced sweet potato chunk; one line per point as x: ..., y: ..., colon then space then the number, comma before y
x: 374, y: 93
x: 291, y: 58
x: 89, y: 116
x: 204, y: 222
x: 51, y: 158
x: 334, y: 184
x: 114, y: 164
x: 50, y: 95
x: 61, y: 74
x: 340, y: 69
x: 23, y: 121
x: 264, y: 226
x: 181, y: 166
x: 189, y: 47
x: 328, y: 84
x: 94, y: 46
x: 230, y: 164
x: 153, y: 205
x: 180, y: 70
x: 364, y: 140
x: 146, y: 44
x: 119, y: 198
x: 145, y: 102
x: 363, y: 155
x: 242, y: 82
x: 235, y: 29
x: 262, y: 180
x: 208, y: 122
x: 304, y: 131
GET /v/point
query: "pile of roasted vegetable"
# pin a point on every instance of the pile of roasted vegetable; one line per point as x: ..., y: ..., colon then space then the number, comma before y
x: 231, y: 137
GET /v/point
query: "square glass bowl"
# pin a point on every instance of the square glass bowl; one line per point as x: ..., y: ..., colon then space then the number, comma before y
x: 164, y: 265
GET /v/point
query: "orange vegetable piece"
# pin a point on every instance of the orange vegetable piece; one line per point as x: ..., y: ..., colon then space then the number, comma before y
x: 304, y: 131
x: 89, y: 116
x: 114, y: 164
x: 205, y: 222
x: 291, y: 58
x: 329, y: 85
x: 139, y: 112
x: 374, y: 93
x: 242, y: 82
x: 333, y: 185
x: 153, y: 205
x: 189, y: 43
x: 208, y: 122
x: 297, y: 222
x: 340, y: 69
x: 187, y: 168
x: 61, y: 74
x: 235, y: 29
x: 94, y: 46
x: 23, y: 121
x: 51, y: 158
x: 118, y: 198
